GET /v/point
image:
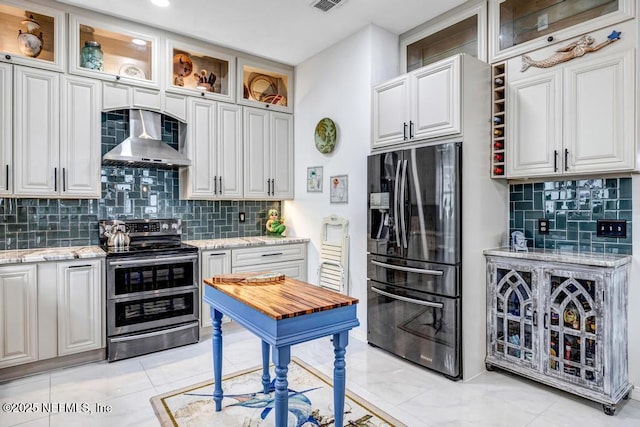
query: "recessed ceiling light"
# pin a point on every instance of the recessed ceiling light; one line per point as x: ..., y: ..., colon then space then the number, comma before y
x: 139, y: 42
x: 160, y: 3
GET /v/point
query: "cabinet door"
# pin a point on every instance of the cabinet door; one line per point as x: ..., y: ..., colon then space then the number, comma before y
x: 599, y: 114
x: 435, y: 100
x: 80, y: 137
x: 535, y: 129
x: 391, y: 112
x: 199, y: 181
x: 36, y: 132
x: 80, y: 307
x: 229, y: 158
x: 257, y: 155
x: 6, y: 141
x: 18, y: 315
x: 512, y: 313
x: 212, y: 264
x: 281, y: 151
x: 573, y: 340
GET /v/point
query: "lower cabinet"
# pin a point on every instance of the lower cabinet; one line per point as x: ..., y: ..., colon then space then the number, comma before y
x: 561, y: 324
x: 51, y: 309
x: 18, y: 315
x: 212, y: 263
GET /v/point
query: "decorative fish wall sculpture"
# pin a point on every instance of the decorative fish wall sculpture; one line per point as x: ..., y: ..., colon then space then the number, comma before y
x: 576, y: 49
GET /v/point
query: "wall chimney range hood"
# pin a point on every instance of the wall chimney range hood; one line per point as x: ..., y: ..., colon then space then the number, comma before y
x: 145, y: 147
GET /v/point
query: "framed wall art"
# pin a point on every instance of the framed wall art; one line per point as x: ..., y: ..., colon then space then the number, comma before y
x: 314, y: 179
x: 339, y: 189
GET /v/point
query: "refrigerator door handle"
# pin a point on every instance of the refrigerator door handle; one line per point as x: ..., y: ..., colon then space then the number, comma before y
x: 408, y: 269
x: 402, y: 210
x: 405, y: 299
x: 396, y: 205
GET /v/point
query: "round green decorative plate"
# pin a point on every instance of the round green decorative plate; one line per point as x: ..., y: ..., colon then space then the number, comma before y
x: 325, y: 135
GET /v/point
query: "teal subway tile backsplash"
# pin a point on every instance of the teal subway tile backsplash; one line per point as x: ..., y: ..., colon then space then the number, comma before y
x: 573, y: 209
x: 126, y: 193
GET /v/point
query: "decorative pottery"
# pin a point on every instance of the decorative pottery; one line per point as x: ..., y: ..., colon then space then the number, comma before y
x: 325, y: 135
x: 30, y: 43
x: 92, y: 56
x: 133, y: 71
x: 182, y: 67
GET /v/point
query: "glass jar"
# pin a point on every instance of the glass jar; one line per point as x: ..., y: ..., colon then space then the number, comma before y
x: 92, y: 56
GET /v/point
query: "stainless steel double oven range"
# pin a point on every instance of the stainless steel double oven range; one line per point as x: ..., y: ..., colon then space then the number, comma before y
x: 152, y: 287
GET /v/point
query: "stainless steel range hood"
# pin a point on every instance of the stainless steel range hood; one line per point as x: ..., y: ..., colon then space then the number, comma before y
x: 145, y: 147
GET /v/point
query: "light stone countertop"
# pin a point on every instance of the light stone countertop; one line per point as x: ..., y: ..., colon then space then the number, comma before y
x: 553, y: 255
x: 17, y: 256
x: 239, y: 242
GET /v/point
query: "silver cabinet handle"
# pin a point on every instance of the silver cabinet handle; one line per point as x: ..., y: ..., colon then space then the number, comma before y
x: 408, y: 269
x: 55, y: 179
x: 64, y: 179
x: 405, y: 299
x: 404, y: 130
x: 220, y: 179
x: 215, y: 185
x: 411, y: 129
x: 396, y: 206
x: 7, y: 172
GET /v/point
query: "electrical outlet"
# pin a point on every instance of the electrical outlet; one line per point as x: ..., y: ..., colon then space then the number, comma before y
x: 543, y: 226
x: 241, y: 217
x: 615, y: 228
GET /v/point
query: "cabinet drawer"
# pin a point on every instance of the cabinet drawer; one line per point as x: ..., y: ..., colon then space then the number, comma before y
x: 267, y: 255
x: 293, y: 269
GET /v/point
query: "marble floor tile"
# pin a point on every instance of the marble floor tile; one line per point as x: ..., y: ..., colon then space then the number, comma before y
x: 414, y: 395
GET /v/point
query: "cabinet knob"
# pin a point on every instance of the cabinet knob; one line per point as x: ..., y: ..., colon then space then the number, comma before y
x: 267, y: 105
x: 7, y: 56
x: 550, y: 38
x: 117, y: 77
x: 202, y: 93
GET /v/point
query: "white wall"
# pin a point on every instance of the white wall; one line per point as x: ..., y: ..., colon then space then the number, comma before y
x: 634, y: 294
x: 336, y: 83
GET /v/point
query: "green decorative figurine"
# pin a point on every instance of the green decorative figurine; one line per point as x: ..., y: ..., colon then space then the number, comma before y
x: 275, y: 225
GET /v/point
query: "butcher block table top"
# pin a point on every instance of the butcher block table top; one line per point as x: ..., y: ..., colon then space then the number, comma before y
x: 277, y: 296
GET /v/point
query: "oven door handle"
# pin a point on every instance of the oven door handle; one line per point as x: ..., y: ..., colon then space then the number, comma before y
x: 153, y: 261
x: 405, y: 299
x: 408, y: 269
x: 150, y: 334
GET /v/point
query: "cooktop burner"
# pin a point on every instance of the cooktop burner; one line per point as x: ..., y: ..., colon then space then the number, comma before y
x: 145, y: 236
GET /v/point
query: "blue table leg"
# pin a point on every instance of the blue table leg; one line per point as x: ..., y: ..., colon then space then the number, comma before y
x: 340, y: 342
x: 266, y: 379
x: 281, y: 359
x: 216, y: 317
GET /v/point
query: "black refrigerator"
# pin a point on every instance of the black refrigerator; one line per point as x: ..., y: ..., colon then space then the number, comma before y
x: 414, y: 255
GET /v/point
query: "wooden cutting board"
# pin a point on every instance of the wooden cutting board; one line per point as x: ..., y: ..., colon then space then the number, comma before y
x: 251, y: 277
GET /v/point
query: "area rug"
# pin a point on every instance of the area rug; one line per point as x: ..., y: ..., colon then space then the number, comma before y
x: 245, y: 405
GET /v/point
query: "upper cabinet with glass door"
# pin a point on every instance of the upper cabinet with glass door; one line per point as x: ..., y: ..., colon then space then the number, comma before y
x: 519, y: 26
x: 112, y: 52
x: 31, y: 34
x: 461, y: 30
x: 197, y: 71
x: 265, y: 86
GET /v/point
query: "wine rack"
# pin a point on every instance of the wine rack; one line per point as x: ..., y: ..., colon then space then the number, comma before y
x: 498, y: 121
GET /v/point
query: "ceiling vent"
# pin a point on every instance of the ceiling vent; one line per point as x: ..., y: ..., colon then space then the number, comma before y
x: 326, y: 5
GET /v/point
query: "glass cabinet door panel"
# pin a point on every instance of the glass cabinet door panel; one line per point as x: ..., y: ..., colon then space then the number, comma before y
x: 572, y: 339
x: 31, y: 35
x: 105, y: 51
x: 518, y: 26
x: 201, y: 72
x: 265, y: 86
x: 514, y: 321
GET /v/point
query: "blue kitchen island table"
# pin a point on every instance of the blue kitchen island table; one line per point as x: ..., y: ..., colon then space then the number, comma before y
x: 282, y: 312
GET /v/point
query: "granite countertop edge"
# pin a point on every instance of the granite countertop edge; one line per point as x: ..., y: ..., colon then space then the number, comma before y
x: 553, y: 255
x: 17, y: 256
x: 240, y: 242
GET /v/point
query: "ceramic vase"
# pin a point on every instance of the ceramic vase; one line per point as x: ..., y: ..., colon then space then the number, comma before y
x: 30, y: 43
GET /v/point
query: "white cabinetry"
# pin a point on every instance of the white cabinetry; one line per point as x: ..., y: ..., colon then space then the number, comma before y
x: 117, y: 96
x: 573, y: 120
x: 18, y: 315
x: 423, y: 104
x: 268, y: 155
x: 80, y: 306
x: 290, y: 260
x: 6, y: 126
x: 56, y: 136
x: 214, y: 146
x: 562, y: 324
x: 212, y: 263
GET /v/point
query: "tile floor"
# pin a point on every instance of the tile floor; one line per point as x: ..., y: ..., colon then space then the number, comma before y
x: 415, y: 396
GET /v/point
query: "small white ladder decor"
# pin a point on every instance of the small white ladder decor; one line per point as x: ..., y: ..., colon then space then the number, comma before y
x: 333, y: 270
